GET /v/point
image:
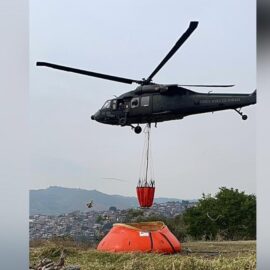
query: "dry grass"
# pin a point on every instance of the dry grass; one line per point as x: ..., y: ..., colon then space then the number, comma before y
x: 238, y: 255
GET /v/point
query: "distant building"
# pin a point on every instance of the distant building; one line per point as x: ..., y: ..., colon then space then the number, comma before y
x: 82, y: 226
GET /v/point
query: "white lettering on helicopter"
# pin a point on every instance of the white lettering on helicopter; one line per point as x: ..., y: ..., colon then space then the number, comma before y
x: 220, y: 100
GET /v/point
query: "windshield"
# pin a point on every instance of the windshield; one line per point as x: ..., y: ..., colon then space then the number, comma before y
x: 106, y: 105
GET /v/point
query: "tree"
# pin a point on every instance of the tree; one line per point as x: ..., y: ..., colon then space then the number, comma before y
x: 99, y: 219
x: 177, y: 227
x: 113, y: 208
x: 230, y: 214
x: 133, y: 215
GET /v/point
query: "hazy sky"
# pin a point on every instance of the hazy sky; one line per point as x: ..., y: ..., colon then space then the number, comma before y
x: 129, y: 38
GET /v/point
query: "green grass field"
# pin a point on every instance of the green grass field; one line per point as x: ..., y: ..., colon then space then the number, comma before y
x: 236, y: 255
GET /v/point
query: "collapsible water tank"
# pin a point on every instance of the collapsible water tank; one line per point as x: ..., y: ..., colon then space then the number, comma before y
x: 140, y: 237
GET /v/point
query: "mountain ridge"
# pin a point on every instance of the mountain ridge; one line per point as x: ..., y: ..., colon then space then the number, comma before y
x: 56, y: 200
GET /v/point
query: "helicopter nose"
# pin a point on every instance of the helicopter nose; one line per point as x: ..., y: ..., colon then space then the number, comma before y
x: 96, y: 116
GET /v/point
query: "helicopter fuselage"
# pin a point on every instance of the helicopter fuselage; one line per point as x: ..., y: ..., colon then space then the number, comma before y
x: 157, y: 103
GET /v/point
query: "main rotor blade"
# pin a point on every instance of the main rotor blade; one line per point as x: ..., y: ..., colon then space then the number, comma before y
x: 178, y: 44
x: 207, y: 85
x: 89, y: 73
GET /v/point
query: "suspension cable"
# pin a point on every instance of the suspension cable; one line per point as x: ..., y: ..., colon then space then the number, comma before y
x: 147, y: 153
x: 146, y: 166
x: 141, y: 174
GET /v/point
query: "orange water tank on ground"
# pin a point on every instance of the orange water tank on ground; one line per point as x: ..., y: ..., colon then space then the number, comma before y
x: 140, y: 237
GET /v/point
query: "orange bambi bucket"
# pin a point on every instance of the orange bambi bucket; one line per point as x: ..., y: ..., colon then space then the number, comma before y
x: 145, y: 196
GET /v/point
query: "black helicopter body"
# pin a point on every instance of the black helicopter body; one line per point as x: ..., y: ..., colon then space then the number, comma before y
x: 153, y: 103
x: 158, y: 103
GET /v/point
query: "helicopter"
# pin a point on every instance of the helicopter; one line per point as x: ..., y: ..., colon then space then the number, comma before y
x: 90, y: 204
x: 152, y: 103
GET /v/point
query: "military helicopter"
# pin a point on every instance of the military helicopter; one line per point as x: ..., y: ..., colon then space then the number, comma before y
x: 153, y: 103
x: 90, y: 204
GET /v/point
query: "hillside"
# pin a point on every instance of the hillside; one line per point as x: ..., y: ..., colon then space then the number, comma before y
x: 59, y: 200
x: 233, y: 255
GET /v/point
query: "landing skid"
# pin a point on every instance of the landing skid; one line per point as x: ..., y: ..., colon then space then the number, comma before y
x: 244, y: 116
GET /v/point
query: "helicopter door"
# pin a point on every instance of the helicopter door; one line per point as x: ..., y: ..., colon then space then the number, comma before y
x: 146, y: 105
x: 140, y: 106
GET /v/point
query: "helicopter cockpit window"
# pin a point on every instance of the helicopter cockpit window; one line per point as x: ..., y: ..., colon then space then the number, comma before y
x: 145, y: 101
x: 114, y: 104
x: 134, y: 102
x: 106, y: 105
